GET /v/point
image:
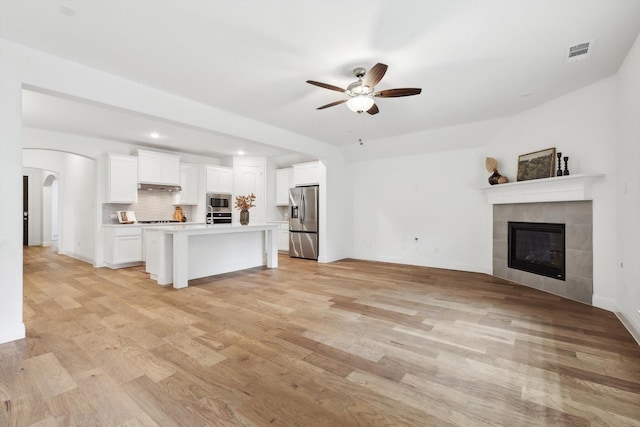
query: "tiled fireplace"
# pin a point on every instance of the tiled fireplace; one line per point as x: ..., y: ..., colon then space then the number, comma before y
x: 578, y: 220
x: 562, y: 200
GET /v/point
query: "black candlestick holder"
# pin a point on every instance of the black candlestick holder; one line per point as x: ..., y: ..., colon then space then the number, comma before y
x: 559, y: 171
x: 566, y: 167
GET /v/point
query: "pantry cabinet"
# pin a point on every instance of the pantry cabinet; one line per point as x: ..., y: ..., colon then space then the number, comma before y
x: 249, y: 177
x: 122, y: 179
x: 284, y: 181
x: 219, y: 179
x: 158, y: 168
x: 123, y: 246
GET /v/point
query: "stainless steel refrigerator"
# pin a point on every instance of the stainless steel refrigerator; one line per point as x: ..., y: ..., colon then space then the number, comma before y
x: 303, y: 222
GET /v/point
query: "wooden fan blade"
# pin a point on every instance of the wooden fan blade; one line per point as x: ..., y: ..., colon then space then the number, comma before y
x: 394, y: 93
x: 374, y: 75
x: 342, y: 101
x: 326, y: 86
x: 373, y: 110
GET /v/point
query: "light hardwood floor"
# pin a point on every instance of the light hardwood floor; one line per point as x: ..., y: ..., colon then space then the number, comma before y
x: 351, y: 343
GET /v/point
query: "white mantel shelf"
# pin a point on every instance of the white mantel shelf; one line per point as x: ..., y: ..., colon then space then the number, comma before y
x: 555, y: 189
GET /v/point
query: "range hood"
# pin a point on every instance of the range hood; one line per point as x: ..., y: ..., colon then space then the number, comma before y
x: 159, y: 187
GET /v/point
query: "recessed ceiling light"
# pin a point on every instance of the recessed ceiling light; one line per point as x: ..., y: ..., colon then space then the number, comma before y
x: 154, y: 135
x: 241, y: 153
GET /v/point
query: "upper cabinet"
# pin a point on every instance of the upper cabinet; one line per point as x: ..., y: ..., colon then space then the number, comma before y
x: 122, y: 179
x: 219, y: 179
x: 284, y: 181
x: 306, y: 173
x: 189, y: 182
x: 158, y: 168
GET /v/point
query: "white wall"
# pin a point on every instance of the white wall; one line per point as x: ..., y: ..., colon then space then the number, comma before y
x: 11, y: 324
x: 433, y: 197
x: 581, y: 125
x: 77, y: 199
x: 627, y: 189
x: 441, y: 186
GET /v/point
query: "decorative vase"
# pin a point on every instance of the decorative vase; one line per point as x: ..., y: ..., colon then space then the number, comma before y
x: 495, y: 178
x: 244, y: 217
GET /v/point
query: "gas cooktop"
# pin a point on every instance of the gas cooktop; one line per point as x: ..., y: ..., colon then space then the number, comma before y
x: 159, y: 221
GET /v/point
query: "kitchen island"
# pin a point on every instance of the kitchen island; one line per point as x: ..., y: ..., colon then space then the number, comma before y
x: 179, y: 253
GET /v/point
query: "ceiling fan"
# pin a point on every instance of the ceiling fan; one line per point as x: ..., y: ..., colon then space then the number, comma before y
x: 361, y: 92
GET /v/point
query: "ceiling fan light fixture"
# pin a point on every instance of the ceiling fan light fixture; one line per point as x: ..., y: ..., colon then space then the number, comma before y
x: 357, y: 88
x: 360, y: 103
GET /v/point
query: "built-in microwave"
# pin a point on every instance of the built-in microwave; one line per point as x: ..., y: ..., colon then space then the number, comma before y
x: 220, y: 201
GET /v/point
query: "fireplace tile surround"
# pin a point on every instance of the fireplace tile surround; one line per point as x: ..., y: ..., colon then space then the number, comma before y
x: 578, y: 219
x: 566, y: 200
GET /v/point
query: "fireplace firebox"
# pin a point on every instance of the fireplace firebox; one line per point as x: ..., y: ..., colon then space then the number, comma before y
x: 538, y: 248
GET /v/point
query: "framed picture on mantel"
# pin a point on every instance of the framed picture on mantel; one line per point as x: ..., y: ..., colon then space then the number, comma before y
x: 536, y: 165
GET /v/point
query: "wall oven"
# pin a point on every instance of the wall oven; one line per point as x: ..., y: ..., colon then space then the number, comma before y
x: 221, y: 218
x: 218, y: 208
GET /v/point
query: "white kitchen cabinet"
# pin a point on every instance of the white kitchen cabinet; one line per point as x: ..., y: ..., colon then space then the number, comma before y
x: 284, y: 181
x: 219, y: 179
x: 190, y: 194
x: 158, y: 168
x: 283, y: 241
x: 123, y: 246
x: 283, y: 236
x: 306, y: 173
x: 122, y: 179
x: 250, y: 179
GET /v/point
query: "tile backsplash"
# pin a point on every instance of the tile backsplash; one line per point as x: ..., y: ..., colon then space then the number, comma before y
x: 151, y: 205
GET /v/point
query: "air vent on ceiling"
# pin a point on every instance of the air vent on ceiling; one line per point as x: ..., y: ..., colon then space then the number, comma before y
x: 578, y: 52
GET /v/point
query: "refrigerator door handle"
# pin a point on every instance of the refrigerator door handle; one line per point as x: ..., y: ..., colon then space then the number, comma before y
x: 302, y: 209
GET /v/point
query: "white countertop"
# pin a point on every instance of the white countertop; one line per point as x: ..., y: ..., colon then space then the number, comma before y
x: 195, y: 229
x: 161, y: 224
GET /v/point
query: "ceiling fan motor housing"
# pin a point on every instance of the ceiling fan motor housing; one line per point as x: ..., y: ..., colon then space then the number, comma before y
x: 359, y: 72
x: 358, y: 88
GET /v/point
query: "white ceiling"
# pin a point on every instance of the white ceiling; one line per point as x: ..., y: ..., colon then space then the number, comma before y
x: 474, y: 60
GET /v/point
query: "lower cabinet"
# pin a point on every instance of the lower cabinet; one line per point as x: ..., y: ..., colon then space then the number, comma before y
x: 283, y: 236
x: 123, y: 246
x: 283, y: 240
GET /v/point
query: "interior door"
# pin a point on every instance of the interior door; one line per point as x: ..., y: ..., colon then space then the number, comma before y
x: 25, y: 210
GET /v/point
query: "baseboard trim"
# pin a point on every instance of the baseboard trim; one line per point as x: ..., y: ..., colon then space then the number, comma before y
x: 604, y: 303
x: 16, y: 332
x: 76, y: 256
x: 632, y: 327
